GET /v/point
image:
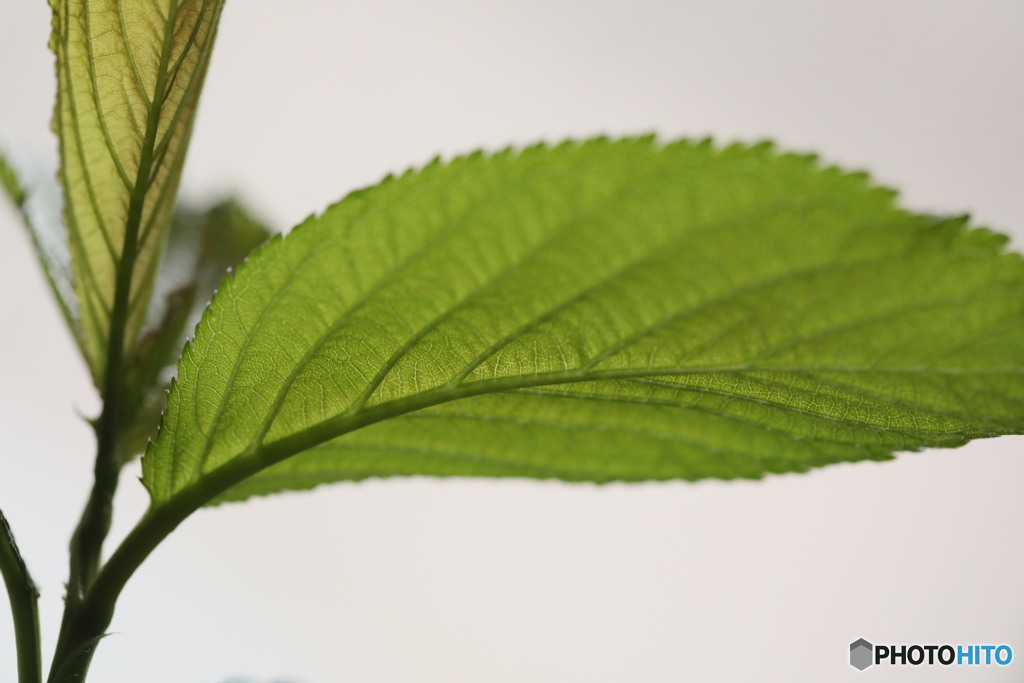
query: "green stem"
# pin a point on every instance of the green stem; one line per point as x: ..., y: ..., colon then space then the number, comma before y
x: 87, y: 541
x: 24, y: 606
x: 85, y: 625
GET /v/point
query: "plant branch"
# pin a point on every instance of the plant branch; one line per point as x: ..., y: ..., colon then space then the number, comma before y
x: 87, y: 542
x: 88, y: 623
x: 24, y: 599
x: 92, y: 529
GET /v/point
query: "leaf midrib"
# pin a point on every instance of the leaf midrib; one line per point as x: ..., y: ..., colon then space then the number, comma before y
x: 245, y: 464
x: 268, y: 454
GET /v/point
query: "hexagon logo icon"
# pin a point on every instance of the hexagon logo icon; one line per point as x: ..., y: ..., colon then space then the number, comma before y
x: 861, y: 654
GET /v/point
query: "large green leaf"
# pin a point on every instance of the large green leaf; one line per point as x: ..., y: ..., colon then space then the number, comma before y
x: 598, y: 311
x: 129, y: 74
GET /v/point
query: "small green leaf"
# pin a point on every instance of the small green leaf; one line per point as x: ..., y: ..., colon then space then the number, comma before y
x: 597, y: 312
x: 129, y: 74
x: 39, y: 205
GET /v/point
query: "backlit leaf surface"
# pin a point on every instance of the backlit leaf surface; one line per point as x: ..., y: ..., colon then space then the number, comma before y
x: 129, y: 74
x: 596, y: 312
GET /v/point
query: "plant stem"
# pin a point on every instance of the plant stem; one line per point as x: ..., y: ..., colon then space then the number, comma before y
x: 24, y: 599
x: 85, y: 625
x: 87, y: 541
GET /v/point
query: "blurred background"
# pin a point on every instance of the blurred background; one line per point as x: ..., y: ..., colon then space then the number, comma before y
x: 415, y: 580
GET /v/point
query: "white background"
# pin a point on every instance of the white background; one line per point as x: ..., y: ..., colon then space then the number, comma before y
x: 510, y: 581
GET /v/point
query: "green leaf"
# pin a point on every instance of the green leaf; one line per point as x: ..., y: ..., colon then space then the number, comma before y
x: 129, y: 74
x: 597, y: 312
x: 38, y: 202
x: 201, y: 247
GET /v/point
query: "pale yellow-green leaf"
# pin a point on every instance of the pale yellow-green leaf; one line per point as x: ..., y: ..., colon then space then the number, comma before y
x: 129, y: 74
